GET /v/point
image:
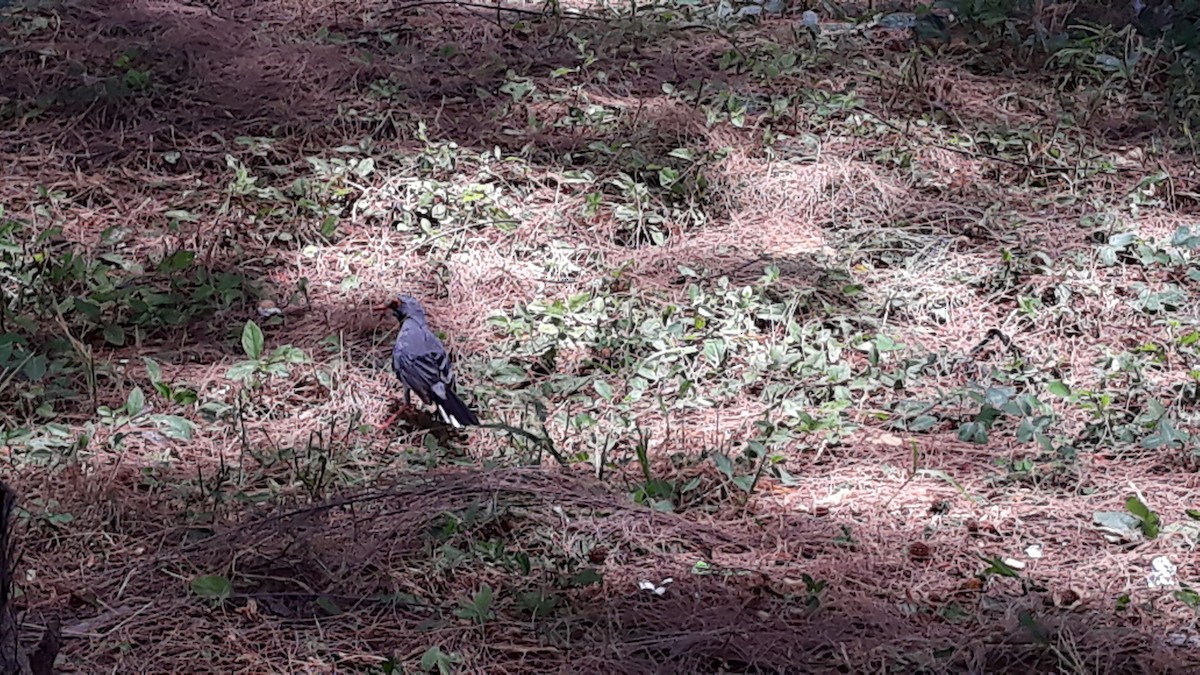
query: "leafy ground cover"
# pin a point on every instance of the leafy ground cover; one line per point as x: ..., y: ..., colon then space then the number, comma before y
x: 798, y: 351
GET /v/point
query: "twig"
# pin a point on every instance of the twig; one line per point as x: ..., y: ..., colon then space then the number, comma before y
x: 498, y: 8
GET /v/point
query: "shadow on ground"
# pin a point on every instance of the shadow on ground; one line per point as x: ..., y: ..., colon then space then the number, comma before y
x: 393, y: 570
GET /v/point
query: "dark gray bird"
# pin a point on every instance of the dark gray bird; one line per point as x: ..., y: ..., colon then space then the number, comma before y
x: 422, y: 365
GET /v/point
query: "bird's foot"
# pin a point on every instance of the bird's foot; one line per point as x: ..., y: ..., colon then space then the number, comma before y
x: 405, y: 408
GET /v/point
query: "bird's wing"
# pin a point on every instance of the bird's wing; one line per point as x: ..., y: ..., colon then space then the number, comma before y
x: 422, y: 363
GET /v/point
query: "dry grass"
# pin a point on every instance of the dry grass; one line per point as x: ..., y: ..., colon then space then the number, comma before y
x: 347, y: 546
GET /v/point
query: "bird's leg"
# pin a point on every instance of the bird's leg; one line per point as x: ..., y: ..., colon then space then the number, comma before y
x: 407, y: 406
x: 390, y: 420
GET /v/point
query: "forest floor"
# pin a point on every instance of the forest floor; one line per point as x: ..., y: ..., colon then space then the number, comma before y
x: 793, y: 355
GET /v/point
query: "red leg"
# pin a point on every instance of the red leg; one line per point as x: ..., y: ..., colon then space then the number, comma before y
x: 391, y: 419
x: 407, y: 406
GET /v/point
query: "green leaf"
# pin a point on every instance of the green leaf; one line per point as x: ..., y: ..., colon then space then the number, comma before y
x: 538, y: 603
x: 136, y: 401
x: 177, y: 261
x: 954, y: 614
x: 585, y: 577
x: 923, y: 423
x: 252, y: 340
x: 330, y: 607
x: 1188, y: 596
x: 241, y: 371
x: 714, y: 352
x: 745, y: 482
x: 604, y: 389
x: 1150, y: 520
x: 1026, y: 431
x: 431, y: 659
x: 478, y: 608
x: 997, y: 396
x: 1058, y: 388
x: 1000, y: 568
x: 174, y: 426
x: 290, y: 354
x: 724, y: 464
x: 114, y: 335
x: 973, y: 432
x: 1137, y: 507
x: 1030, y: 623
x: 153, y: 371
x: 435, y: 658
x: 785, y: 477
x: 884, y: 343
x: 212, y: 586
x: 509, y: 375
x: 1165, y: 433
x: 89, y: 309
x: 35, y: 367
x: 277, y: 369
x: 364, y: 167
x: 1194, y: 514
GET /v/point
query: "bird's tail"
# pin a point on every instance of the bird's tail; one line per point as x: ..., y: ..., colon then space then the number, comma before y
x: 455, y: 412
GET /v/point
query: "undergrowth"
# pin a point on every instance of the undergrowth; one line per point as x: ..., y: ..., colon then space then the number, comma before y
x: 967, y: 297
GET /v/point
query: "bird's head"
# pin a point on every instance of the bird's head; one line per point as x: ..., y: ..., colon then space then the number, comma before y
x: 404, y: 307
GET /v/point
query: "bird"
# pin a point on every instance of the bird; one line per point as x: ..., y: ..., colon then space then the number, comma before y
x: 422, y: 365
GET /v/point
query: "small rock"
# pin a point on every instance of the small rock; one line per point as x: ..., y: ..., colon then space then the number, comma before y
x: 1162, y: 573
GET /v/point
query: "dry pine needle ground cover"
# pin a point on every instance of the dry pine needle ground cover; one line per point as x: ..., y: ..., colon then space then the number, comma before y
x: 793, y: 357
